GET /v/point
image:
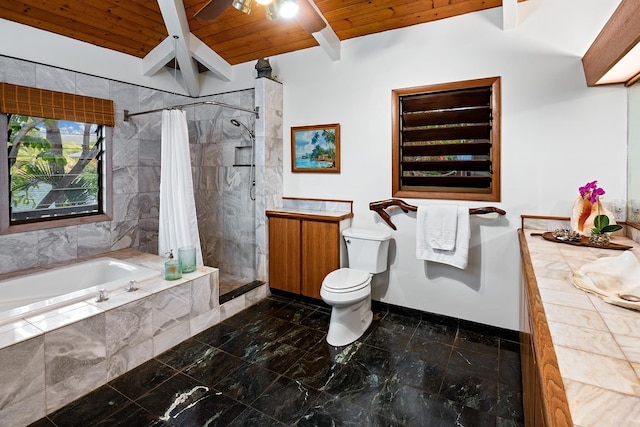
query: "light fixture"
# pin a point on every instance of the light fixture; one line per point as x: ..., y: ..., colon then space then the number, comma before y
x: 263, y: 2
x: 288, y: 9
x: 272, y: 10
x: 243, y: 6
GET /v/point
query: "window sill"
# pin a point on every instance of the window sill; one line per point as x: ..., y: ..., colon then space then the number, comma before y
x: 55, y: 223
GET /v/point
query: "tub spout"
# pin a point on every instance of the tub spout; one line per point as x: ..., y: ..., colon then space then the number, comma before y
x: 131, y: 286
x: 102, y: 296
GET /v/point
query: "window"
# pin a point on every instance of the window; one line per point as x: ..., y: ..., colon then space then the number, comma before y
x: 56, y: 162
x: 446, y: 141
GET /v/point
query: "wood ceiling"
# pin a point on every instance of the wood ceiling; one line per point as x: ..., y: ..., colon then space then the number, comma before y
x: 135, y: 27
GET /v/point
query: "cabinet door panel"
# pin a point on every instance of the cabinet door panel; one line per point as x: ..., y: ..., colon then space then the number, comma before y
x: 320, y: 254
x: 284, y: 254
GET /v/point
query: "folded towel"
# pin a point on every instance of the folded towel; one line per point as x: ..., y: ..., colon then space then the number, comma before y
x: 441, y: 226
x: 609, y: 277
x: 457, y: 256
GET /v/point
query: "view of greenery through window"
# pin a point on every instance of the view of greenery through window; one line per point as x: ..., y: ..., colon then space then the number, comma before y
x: 54, y: 168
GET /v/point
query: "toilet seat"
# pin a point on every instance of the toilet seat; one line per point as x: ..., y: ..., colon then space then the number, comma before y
x: 346, y: 280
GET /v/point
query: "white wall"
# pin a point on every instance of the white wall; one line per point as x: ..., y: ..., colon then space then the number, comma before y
x: 557, y: 134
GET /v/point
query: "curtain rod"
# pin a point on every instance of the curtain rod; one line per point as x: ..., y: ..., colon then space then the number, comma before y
x: 128, y: 115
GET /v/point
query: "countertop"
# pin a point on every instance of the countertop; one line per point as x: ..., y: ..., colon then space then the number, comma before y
x: 597, y: 344
x: 309, y: 214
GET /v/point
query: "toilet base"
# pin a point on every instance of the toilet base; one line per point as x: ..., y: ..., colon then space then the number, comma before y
x: 348, y: 323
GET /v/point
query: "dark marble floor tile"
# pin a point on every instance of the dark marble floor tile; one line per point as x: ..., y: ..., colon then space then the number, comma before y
x: 269, y: 305
x: 441, y: 332
x: 245, y: 345
x: 482, y: 365
x: 274, y: 328
x: 336, y: 354
x: 377, y: 361
x: 510, y: 335
x: 472, y: 340
x: 375, y: 419
x: 95, y: 406
x: 470, y: 417
x: 217, y: 335
x: 388, y: 339
x: 294, y: 312
x: 143, y: 379
x: 417, y: 373
x: 413, y: 407
x: 214, y: 366
x: 302, y: 337
x: 253, y: 418
x: 399, y: 323
x: 247, y: 318
x: 319, y: 320
x: 510, y: 403
x: 314, y: 371
x: 247, y: 384
x: 355, y: 385
x: 132, y: 415
x: 286, y: 400
x: 510, y: 373
x: 185, y: 354
x: 503, y: 422
x: 429, y: 351
x: 273, y: 355
x: 183, y: 401
x: 474, y: 392
x: 331, y: 411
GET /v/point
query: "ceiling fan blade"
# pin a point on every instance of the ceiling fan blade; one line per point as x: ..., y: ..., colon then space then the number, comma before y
x: 212, y: 9
x: 308, y: 17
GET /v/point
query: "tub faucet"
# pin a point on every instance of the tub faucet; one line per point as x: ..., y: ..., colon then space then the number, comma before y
x: 102, y: 296
x: 131, y: 286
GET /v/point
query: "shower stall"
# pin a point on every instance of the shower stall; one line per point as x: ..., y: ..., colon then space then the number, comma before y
x: 223, y: 163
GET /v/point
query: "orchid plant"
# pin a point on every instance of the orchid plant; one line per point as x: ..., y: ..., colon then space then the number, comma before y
x: 590, y: 191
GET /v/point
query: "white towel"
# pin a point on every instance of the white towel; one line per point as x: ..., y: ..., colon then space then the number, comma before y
x: 425, y: 248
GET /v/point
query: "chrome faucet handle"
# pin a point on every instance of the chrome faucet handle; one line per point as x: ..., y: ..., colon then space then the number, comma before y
x: 131, y: 286
x: 102, y: 296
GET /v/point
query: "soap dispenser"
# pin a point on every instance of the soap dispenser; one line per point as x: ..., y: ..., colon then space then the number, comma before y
x: 172, y: 268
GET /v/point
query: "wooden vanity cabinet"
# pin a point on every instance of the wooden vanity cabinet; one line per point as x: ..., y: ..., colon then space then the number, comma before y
x: 303, y: 249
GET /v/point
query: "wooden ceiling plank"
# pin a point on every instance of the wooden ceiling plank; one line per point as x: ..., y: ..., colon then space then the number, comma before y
x: 104, y: 39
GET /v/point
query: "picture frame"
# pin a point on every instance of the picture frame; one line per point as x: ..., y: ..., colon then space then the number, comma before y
x: 315, y: 148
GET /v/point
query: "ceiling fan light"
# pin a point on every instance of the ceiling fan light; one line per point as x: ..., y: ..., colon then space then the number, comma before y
x: 272, y: 10
x: 243, y: 6
x: 264, y: 2
x: 288, y: 9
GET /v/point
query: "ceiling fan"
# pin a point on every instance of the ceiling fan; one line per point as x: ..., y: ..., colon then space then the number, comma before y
x: 307, y: 16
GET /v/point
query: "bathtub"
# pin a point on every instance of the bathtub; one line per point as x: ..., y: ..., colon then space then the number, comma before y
x: 35, y: 293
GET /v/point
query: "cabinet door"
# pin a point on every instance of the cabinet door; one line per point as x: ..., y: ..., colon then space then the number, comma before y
x: 320, y: 254
x: 284, y: 254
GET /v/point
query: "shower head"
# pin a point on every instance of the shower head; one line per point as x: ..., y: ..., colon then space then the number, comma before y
x: 238, y: 124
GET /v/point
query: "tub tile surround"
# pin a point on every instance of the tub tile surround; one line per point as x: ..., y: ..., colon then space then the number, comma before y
x: 597, y: 344
x: 51, y: 359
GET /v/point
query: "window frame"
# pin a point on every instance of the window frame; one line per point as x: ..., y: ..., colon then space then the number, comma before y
x: 448, y: 192
x: 106, y: 189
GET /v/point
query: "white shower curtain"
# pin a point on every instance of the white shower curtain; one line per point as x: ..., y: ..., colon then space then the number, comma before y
x: 178, y: 223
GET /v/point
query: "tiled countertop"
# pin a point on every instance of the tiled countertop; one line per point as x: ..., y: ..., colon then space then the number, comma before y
x: 597, y: 344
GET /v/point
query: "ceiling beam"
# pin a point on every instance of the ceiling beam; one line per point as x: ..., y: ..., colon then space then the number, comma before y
x: 509, y: 14
x: 158, y: 57
x: 326, y: 37
x: 175, y: 19
x: 207, y: 57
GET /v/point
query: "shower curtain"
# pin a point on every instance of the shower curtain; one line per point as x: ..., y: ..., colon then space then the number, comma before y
x: 178, y: 223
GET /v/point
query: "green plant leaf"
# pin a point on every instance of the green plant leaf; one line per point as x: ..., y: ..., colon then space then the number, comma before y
x: 611, y: 228
x: 601, y: 221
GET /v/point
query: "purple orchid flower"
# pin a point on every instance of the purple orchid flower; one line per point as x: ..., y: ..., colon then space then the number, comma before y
x: 591, y: 191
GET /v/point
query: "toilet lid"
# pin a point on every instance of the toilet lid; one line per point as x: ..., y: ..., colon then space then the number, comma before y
x: 346, y: 279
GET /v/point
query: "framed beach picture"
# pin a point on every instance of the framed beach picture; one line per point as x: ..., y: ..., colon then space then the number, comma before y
x: 315, y: 148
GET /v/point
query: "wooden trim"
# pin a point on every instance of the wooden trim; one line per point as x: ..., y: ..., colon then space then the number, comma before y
x: 55, y: 223
x: 309, y: 216
x: 555, y: 407
x: 619, y: 35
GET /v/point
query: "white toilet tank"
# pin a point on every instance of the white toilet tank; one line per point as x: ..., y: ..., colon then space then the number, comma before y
x: 367, y: 249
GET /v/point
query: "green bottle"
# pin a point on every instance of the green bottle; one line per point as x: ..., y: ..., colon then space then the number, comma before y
x: 172, y: 268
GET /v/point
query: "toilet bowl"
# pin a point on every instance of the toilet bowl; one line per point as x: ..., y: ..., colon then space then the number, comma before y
x: 348, y: 290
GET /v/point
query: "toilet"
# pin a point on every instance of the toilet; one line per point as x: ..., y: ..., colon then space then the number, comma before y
x: 348, y: 290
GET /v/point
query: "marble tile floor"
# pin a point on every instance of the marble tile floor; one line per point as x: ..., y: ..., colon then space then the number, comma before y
x: 270, y: 365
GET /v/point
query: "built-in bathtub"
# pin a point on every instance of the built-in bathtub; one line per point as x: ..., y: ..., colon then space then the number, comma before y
x: 39, y: 292
x: 52, y: 358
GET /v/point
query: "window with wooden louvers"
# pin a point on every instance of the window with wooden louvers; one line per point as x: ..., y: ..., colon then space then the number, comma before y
x: 446, y: 141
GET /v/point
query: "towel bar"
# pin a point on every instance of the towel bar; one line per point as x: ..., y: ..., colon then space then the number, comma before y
x: 380, y: 206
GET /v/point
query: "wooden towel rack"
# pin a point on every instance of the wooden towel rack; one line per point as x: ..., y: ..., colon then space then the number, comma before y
x: 380, y: 206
